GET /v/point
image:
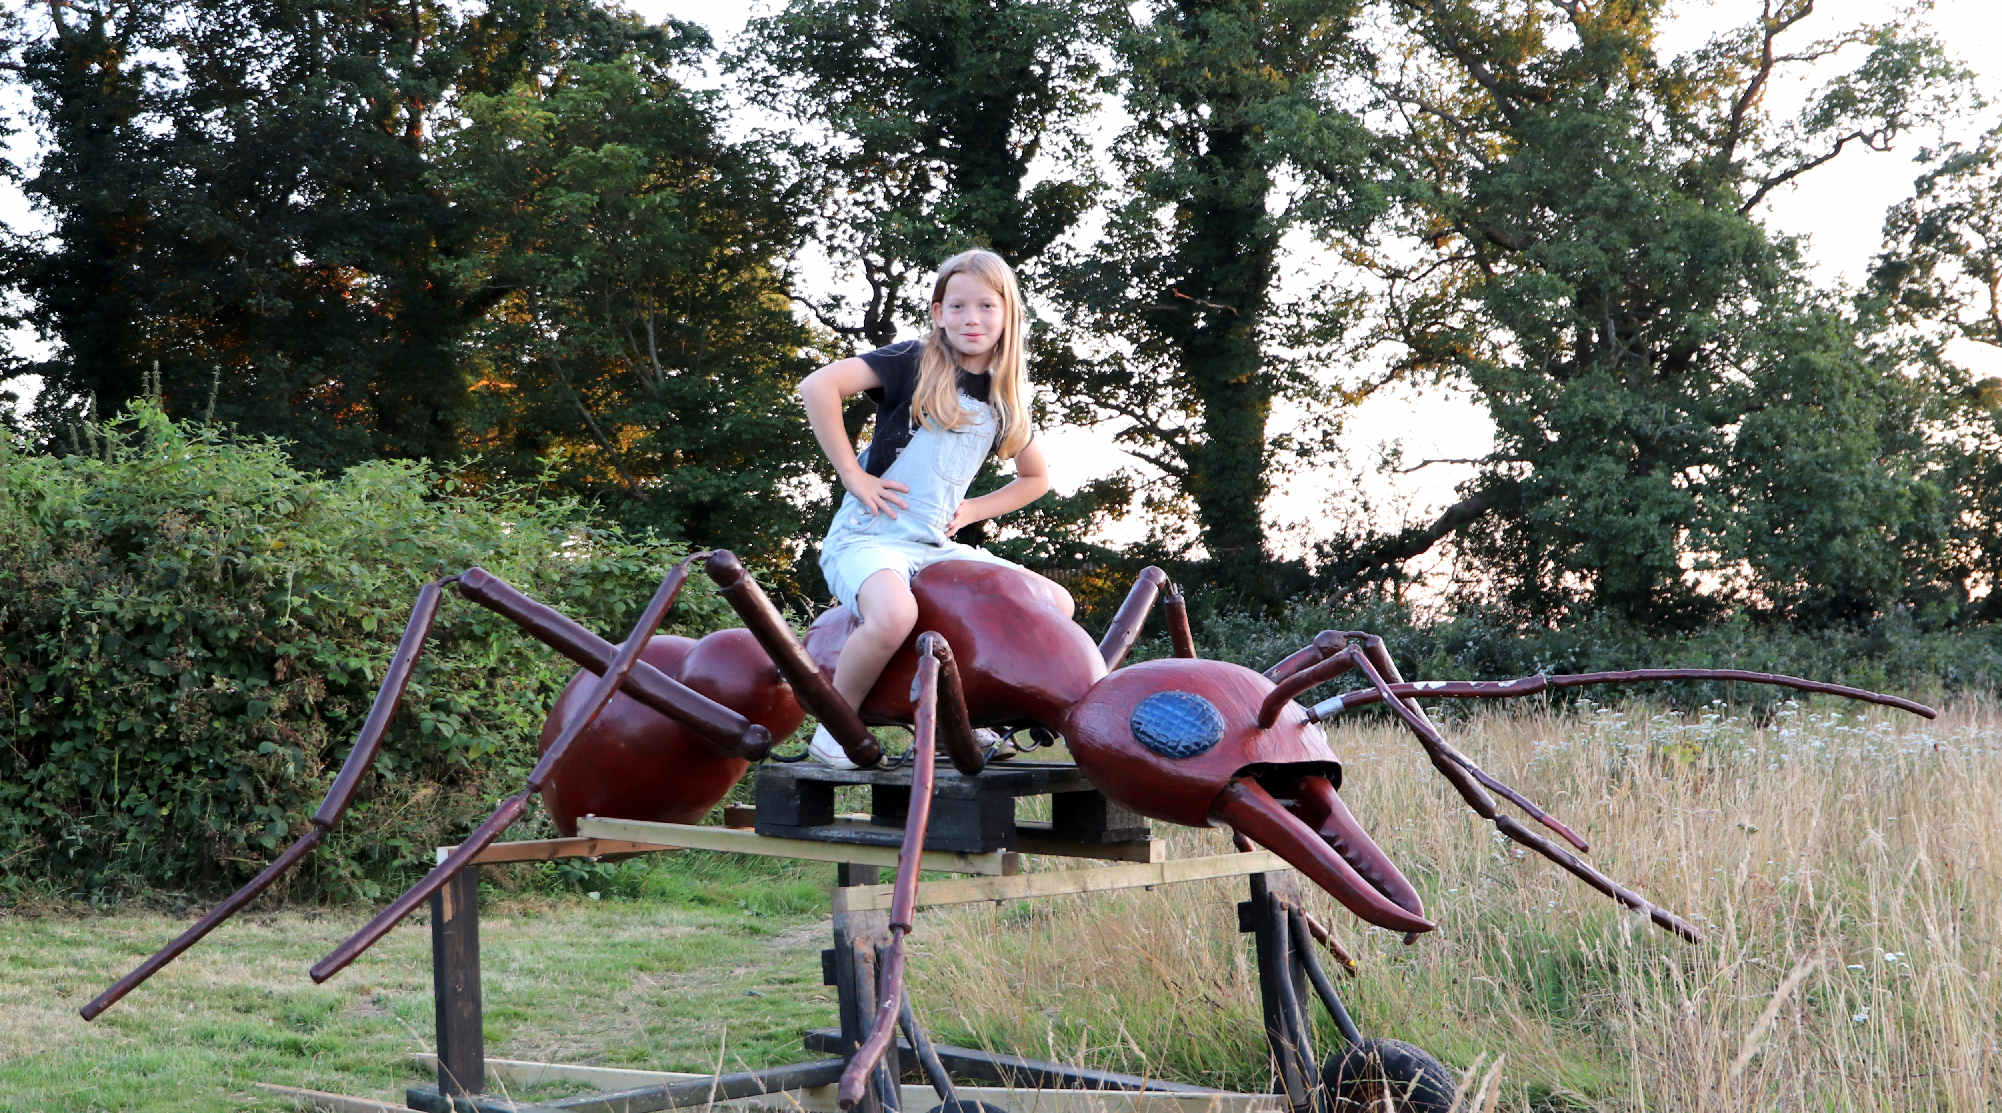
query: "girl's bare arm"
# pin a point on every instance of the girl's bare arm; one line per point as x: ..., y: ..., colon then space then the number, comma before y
x: 821, y: 393
x: 1032, y: 480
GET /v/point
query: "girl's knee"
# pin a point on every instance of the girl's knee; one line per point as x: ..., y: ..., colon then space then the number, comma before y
x: 888, y: 609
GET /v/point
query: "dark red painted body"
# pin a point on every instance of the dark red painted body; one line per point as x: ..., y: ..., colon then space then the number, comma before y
x: 635, y: 763
x: 1181, y: 790
x: 1019, y: 654
x: 1016, y: 655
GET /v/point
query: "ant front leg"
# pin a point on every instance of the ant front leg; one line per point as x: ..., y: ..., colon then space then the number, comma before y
x: 814, y: 690
x: 903, y: 901
x: 1124, y: 629
x: 1468, y: 779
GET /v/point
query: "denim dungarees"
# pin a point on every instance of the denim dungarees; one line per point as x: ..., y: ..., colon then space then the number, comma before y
x: 937, y: 465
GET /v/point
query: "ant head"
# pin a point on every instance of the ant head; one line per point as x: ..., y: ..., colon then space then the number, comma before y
x: 1179, y: 740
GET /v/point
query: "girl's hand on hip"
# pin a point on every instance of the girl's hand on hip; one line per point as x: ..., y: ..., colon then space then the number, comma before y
x: 879, y: 496
x: 963, y: 515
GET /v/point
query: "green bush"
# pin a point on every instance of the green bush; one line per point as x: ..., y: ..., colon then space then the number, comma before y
x: 192, y: 631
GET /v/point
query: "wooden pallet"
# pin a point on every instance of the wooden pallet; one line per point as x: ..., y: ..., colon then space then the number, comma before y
x: 974, y: 814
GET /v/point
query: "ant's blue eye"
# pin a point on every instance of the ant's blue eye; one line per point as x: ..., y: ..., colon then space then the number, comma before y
x: 1176, y: 724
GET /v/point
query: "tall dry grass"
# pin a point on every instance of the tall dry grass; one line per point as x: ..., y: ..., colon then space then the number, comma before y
x: 1844, y: 868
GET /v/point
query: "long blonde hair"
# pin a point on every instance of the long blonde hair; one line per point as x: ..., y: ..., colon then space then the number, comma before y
x: 936, y: 400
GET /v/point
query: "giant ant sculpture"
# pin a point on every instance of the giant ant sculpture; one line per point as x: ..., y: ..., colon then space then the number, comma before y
x: 661, y: 727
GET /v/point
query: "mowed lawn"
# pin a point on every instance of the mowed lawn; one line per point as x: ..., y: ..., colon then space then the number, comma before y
x: 677, y: 982
x: 1845, y: 868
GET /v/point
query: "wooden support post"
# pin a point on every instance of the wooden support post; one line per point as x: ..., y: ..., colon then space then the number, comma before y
x: 455, y: 984
x: 1282, y: 988
x: 857, y: 937
x: 850, y: 874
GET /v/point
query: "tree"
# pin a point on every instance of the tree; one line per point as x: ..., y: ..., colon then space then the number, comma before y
x: 640, y: 349
x: 927, y: 118
x: 1938, y: 287
x: 93, y: 92
x: 242, y: 196
x: 1681, y: 423
x: 1236, y: 138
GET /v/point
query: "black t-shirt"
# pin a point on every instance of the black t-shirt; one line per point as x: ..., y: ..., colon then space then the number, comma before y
x: 897, y: 367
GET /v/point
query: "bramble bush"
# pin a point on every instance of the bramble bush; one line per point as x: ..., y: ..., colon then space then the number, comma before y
x: 192, y: 631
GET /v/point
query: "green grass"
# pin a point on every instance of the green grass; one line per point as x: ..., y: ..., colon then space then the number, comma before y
x: 711, y: 960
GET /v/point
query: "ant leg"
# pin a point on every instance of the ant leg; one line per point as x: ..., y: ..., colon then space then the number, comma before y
x: 723, y: 729
x: 1124, y: 629
x: 1453, y: 767
x: 1379, y: 656
x: 904, y: 898
x: 1296, y: 680
x: 359, y: 759
x: 1178, y: 623
x: 809, y: 685
x: 1326, y: 644
x: 956, y: 725
x: 511, y: 808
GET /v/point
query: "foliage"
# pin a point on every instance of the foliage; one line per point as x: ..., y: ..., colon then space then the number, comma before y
x: 1236, y: 137
x: 1681, y: 423
x: 640, y: 352
x: 191, y: 628
x: 931, y: 115
x: 513, y: 232
x: 240, y: 190
x: 1938, y: 287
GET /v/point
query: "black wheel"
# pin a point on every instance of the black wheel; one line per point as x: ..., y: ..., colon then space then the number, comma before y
x: 1388, y: 1076
x: 966, y: 1107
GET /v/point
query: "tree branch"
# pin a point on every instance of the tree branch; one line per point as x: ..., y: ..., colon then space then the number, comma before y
x: 822, y: 315
x: 1875, y: 140
x: 1422, y: 464
x: 1375, y: 559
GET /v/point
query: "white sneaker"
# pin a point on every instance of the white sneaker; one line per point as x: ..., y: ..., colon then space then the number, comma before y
x: 827, y: 751
x: 991, y: 743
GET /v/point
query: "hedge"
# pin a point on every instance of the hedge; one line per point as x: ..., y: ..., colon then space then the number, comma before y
x: 192, y: 630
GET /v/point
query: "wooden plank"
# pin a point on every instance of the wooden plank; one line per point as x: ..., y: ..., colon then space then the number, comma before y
x: 330, y: 1103
x: 820, y: 1099
x: 1035, y: 838
x: 550, y: 850
x: 429, y: 1099
x: 746, y: 842
x: 523, y: 1073
x: 973, y: 1064
x: 1098, y: 879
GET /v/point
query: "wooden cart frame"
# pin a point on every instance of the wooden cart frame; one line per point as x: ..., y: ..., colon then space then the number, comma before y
x: 973, y: 832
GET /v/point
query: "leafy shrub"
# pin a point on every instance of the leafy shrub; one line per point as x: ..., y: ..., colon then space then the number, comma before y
x: 192, y: 631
